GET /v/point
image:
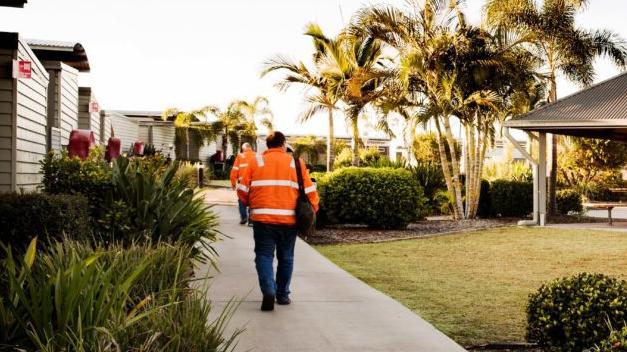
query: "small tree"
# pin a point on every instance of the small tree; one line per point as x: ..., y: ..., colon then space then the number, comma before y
x: 585, y: 160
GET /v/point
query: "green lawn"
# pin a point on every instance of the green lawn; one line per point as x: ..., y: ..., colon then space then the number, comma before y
x: 474, y: 286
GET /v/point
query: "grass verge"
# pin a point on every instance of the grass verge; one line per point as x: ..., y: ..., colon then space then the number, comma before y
x: 474, y: 286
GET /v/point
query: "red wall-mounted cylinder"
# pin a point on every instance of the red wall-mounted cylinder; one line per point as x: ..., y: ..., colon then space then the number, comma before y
x: 114, y: 146
x: 138, y: 148
x: 81, y: 141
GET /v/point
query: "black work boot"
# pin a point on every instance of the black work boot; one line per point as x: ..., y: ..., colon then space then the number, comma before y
x: 283, y: 301
x: 268, y: 303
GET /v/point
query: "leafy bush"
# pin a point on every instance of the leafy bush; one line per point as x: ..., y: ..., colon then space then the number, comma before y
x: 430, y: 177
x: 511, y: 198
x: 508, y: 170
x: 135, y: 199
x: 379, y: 198
x: 159, y: 206
x: 343, y: 159
x: 24, y: 216
x: 485, y: 200
x: 574, y: 313
x: 616, y: 342
x: 71, y: 297
x: 568, y: 201
x: 91, y: 178
x: 370, y: 156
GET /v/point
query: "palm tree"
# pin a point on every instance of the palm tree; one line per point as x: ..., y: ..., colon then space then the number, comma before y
x: 256, y: 112
x: 447, y: 69
x: 191, y: 126
x: 231, y: 123
x: 324, y: 98
x: 355, y: 68
x: 548, y: 30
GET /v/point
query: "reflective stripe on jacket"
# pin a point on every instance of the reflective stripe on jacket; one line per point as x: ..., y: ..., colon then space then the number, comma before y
x: 241, y: 163
x: 269, y: 187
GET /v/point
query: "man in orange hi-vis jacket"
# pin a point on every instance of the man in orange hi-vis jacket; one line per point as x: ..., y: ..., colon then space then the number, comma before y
x: 270, y: 188
x: 242, y: 161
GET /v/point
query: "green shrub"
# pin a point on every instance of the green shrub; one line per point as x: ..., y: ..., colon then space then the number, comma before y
x: 616, y: 342
x: 72, y: 298
x: 159, y: 207
x: 574, y: 313
x: 379, y: 198
x: 135, y: 199
x: 370, y: 156
x: 430, y: 177
x: 24, y: 216
x: 485, y: 201
x: 511, y: 198
x: 91, y: 178
x: 343, y: 159
x: 568, y: 201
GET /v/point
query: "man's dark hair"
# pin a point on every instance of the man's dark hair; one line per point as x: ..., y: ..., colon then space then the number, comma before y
x: 275, y: 139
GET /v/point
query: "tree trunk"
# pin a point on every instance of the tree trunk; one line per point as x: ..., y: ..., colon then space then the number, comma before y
x: 446, y: 167
x: 454, y: 165
x: 187, y: 142
x: 355, y: 126
x: 330, y: 142
x: 552, y: 191
x: 225, y: 144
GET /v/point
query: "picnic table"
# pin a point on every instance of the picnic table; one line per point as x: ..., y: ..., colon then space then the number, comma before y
x: 609, y: 206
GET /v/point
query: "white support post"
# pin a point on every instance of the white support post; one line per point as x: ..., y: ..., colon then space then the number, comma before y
x: 534, y: 168
x: 542, y: 163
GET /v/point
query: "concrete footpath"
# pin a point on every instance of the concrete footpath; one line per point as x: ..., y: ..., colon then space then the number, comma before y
x: 330, y: 311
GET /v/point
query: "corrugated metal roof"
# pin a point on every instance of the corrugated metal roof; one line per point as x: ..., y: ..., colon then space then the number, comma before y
x: 605, y: 101
x: 41, y: 43
x: 70, y: 53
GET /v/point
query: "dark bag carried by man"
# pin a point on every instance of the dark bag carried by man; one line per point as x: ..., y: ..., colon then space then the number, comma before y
x: 305, y: 213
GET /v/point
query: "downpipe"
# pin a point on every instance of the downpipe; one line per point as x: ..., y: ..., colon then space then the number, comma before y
x: 534, y: 166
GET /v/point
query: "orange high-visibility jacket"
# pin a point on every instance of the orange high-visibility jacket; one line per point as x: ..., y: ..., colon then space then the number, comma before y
x: 241, y: 163
x: 270, y: 188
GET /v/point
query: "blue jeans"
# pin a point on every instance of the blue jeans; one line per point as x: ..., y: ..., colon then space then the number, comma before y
x: 243, y: 211
x: 269, y: 238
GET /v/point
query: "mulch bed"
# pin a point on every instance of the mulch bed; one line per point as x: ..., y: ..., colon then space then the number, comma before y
x: 359, y: 234
x: 347, y: 234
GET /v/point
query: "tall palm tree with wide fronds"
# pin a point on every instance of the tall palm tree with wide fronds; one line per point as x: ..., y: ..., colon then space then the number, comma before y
x: 324, y: 98
x: 357, y: 71
x: 549, y: 31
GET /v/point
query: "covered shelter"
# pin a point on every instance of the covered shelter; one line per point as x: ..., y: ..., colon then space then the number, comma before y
x: 599, y: 111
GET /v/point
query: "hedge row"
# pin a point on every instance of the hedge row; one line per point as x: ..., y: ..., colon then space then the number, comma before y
x: 46, y: 216
x: 377, y: 197
x: 504, y: 198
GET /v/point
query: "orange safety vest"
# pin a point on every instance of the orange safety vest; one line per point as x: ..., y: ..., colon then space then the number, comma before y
x: 270, y: 188
x: 241, y: 163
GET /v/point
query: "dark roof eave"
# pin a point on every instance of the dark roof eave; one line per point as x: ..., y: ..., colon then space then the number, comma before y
x: 556, y: 125
x: 74, y: 55
x: 13, y: 3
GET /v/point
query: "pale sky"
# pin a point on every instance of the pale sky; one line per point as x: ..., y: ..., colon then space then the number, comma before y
x: 150, y: 55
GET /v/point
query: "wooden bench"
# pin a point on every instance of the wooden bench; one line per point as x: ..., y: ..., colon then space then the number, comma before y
x: 609, y: 206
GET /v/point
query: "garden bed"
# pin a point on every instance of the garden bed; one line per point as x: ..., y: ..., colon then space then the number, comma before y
x: 436, y: 226
x: 427, y: 228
